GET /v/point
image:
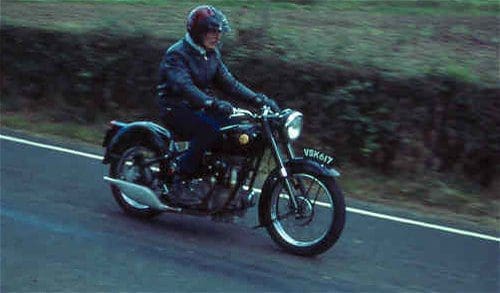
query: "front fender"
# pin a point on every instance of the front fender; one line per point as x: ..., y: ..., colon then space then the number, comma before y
x: 294, y: 165
x: 138, y: 133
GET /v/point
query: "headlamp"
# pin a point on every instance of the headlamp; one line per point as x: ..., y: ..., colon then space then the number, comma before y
x: 293, y: 125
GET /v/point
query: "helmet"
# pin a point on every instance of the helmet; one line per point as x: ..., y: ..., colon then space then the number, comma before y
x: 203, y: 19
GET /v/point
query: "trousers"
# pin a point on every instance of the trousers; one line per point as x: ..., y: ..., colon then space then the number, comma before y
x: 202, y: 128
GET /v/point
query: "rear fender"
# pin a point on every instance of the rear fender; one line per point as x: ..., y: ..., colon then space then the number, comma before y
x: 138, y: 133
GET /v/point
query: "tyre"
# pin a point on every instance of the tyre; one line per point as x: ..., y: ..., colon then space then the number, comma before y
x: 319, y: 220
x: 128, y: 168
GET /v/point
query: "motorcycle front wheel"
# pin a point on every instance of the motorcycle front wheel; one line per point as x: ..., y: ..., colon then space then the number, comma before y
x: 320, y: 216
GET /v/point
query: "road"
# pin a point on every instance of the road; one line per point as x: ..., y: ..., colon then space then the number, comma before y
x: 62, y: 231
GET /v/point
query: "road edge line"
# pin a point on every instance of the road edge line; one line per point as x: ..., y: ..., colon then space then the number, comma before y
x: 349, y: 209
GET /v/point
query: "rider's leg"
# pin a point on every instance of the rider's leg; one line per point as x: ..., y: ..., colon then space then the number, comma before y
x: 203, y: 129
x: 205, y: 133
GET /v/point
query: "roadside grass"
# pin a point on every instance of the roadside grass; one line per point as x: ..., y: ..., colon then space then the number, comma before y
x: 398, y: 6
x: 395, y: 38
x: 430, y: 193
x: 40, y: 124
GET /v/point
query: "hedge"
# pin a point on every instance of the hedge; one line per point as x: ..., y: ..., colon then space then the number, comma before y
x: 430, y: 122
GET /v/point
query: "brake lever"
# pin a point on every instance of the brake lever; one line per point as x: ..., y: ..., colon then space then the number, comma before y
x: 236, y: 115
x: 238, y: 112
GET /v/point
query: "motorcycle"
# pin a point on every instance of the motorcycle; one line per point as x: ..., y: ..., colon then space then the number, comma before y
x: 300, y: 203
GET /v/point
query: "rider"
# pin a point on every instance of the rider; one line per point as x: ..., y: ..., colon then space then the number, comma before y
x: 189, y: 71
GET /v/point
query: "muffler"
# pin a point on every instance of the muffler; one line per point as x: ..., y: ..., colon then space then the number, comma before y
x: 141, y: 194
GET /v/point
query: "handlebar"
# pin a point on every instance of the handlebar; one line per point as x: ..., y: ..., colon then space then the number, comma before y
x: 240, y: 112
x: 266, y: 112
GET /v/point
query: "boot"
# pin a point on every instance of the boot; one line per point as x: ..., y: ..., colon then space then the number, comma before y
x: 181, y: 194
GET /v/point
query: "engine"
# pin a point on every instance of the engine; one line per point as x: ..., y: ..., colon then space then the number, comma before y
x: 223, y: 167
x: 222, y: 174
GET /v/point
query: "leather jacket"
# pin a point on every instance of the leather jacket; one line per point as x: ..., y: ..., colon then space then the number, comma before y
x: 188, y: 73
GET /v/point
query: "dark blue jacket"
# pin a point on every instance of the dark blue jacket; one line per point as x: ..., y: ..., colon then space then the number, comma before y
x: 188, y: 74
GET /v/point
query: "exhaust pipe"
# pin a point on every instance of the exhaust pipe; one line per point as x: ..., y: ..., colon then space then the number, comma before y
x: 141, y: 194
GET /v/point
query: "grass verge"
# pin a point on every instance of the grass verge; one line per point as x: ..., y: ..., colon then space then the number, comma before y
x: 397, y: 38
x: 36, y: 123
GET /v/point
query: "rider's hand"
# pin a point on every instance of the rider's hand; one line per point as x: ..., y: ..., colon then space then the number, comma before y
x: 223, y: 107
x: 264, y: 100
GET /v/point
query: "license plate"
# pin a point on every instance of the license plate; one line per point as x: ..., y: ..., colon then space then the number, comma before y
x: 318, y: 156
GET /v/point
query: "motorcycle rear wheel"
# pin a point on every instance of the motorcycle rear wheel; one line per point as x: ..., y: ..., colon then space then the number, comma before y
x: 125, y: 169
x: 320, y: 219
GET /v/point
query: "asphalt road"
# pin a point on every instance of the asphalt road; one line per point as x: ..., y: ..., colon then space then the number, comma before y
x: 62, y: 231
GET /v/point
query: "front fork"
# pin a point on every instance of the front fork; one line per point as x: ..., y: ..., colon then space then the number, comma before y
x: 281, y: 163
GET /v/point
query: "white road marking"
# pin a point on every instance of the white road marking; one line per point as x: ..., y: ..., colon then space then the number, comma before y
x: 423, y: 224
x: 352, y: 210
x: 50, y: 147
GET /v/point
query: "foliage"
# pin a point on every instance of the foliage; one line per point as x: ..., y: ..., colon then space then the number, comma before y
x: 364, y: 123
x: 453, y: 124
x: 84, y: 76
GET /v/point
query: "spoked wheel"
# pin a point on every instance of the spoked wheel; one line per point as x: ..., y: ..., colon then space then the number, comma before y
x: 317, y: 222
x: 130, y: 168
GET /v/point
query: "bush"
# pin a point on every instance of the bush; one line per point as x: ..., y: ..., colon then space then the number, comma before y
x: 364, y: 124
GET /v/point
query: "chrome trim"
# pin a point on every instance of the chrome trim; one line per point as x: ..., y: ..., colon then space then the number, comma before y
x: 289, y: 120
x: 239, y: 112
x: 278, y: 157
x: 229, y: 127
x: 291, y: 151
x: 141, y: 194
x: 279, y: 225
x: 291, y: 117
x: 334, y: 172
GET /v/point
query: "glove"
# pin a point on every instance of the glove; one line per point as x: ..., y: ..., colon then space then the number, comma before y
x: 263, y: 100
x: 223, y: 107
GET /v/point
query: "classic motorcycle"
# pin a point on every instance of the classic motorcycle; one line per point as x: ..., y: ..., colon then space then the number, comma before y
x: 300, y: 203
